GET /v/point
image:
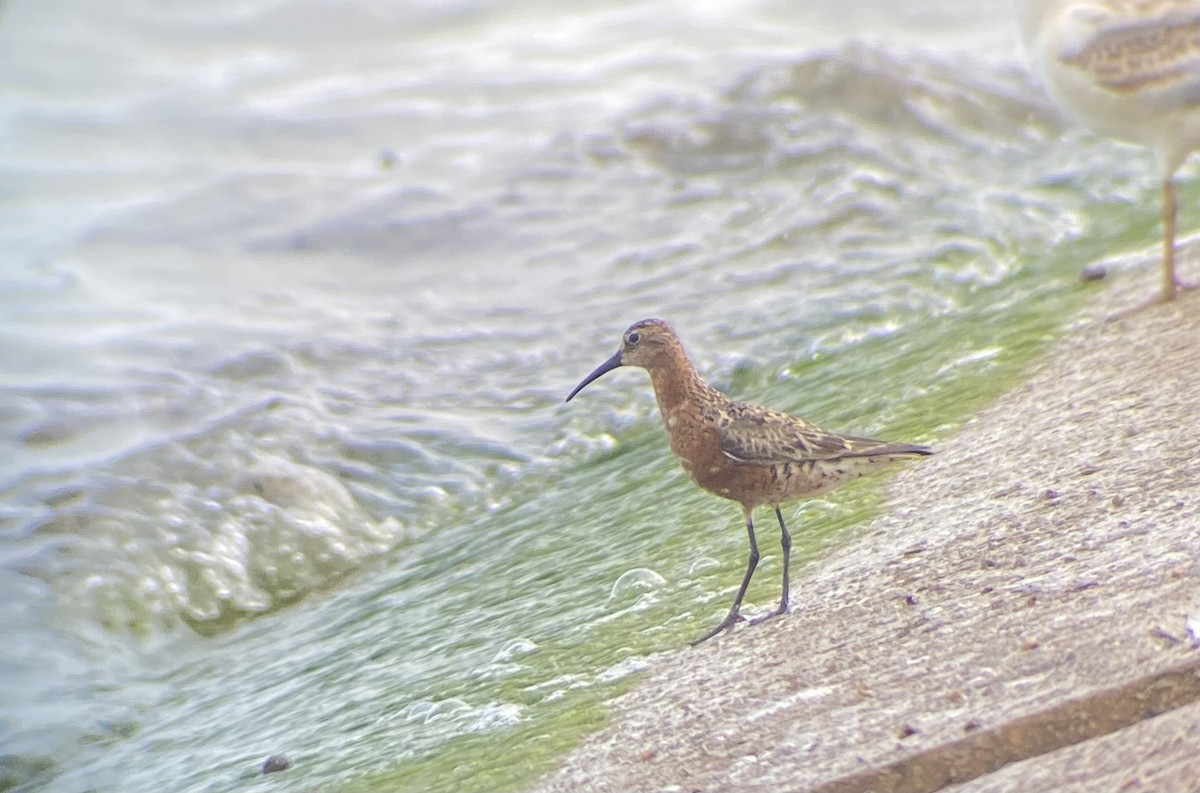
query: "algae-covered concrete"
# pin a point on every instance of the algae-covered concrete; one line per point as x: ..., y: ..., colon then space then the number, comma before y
x: 1018, y: 619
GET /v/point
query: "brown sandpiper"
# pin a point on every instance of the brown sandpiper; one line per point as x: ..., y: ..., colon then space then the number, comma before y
x: 747, y: 453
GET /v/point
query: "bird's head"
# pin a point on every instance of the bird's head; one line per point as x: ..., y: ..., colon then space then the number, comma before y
x: 647, y: 344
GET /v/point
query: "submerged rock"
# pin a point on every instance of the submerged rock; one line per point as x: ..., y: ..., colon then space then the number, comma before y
x: 276, y: 762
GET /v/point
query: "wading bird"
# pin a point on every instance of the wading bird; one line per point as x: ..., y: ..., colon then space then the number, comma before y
x: 749, y: 454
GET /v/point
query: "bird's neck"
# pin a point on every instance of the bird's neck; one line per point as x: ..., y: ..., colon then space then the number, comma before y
x: 677, y: 385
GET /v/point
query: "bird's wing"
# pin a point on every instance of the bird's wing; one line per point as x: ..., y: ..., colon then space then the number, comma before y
x: 1151, y: 49
x: 769, y: 437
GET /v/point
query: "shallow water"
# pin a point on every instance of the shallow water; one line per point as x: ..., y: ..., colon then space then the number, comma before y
x: 293, y: 292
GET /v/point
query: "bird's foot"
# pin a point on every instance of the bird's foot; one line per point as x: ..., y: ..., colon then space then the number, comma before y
x: 783, y: 609
x: 1165, y: 296
x: 733, y: 618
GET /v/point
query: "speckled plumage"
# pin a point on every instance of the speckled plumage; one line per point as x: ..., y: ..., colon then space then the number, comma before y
x: 750, y: 454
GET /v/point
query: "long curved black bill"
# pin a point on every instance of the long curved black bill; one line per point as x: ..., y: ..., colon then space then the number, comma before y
x: 604, y: 368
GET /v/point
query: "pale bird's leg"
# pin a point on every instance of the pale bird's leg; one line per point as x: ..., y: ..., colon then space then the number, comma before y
x: 1169, y: 213
x: 733, y: 617
x: 1170, y: 283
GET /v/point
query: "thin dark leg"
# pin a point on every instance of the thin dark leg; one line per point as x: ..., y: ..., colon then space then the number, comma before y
x: 733, y: 616
x: 786, y: 542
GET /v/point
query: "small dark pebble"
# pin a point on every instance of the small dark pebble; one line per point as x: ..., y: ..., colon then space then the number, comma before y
x: 971, y: 726
x: 1093, y: 272
x: 907, y: 731
x: 276, y: 762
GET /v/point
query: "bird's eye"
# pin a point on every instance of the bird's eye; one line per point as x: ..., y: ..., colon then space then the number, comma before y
x: 635, y: 337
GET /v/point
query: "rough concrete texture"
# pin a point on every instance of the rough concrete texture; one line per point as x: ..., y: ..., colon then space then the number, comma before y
x: 1018, y: 620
